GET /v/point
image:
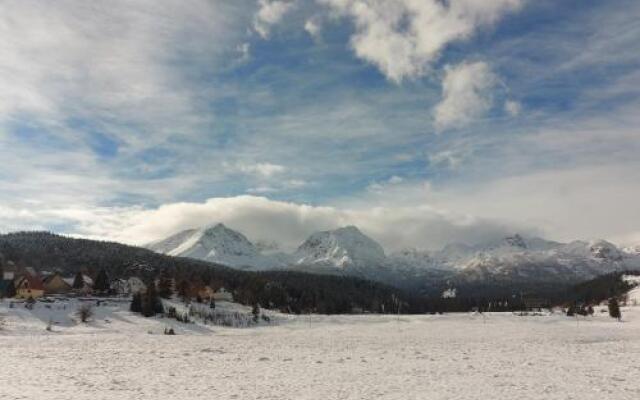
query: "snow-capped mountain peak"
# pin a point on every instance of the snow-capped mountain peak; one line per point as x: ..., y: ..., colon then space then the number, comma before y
x: 515, y: 241
x: 342, y: 247
x: 347, y: 250
x: 604, y: 250
x: 216, y: 243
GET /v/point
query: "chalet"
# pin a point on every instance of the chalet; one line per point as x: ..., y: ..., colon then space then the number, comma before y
x: 56, y: 284
x: 119, y: 287
x: 222, y: 295
x: 29, y: 286
x: 135, y: 285
x: 80, y: 284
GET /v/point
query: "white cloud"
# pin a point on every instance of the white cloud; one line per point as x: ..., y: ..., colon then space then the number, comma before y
x: 582, y: 202
x: 451, y: 159
x: 244, y: 50
x: 295, y: 183
x: 86, y: 60
x: 264, y: 170
x: 313, y: 28
x: 402, y: 38
x: 262, y: 190
x: 289, y: 224
x: 466, y: 94
x: 512, y: 107
x: 380, y: 186
x: 270, y: 13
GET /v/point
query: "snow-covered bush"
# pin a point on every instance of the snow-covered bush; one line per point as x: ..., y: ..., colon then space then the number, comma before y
x: 84, y: 312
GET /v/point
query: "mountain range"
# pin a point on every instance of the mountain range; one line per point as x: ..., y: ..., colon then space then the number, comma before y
x: 347, y: 251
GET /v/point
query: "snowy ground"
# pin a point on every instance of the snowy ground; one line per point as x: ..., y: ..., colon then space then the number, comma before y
x: 633, y: 296
x: 461, y: 356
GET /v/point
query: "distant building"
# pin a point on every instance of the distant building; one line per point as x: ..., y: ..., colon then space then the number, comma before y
x: 28, y: 286
x: 81, y: 284
x: 136, y: 285
x: 205, y: 293
x: 119, y: 287
x: 55, y: 284
x: 222, y: 295
x: 449, y: 293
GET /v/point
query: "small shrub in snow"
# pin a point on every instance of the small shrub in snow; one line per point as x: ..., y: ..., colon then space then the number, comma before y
x: 85, y: 312
x: 169, y: 331
x: 29, y: 304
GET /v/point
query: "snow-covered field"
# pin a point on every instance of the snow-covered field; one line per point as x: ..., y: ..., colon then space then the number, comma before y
x: 457, y: 356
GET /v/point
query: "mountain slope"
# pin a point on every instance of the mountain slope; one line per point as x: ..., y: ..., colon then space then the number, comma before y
x: 511, y: 261
x: 217, y: 244
x: 342, y: 248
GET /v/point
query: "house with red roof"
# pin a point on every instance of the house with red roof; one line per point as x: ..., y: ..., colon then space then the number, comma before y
x: 28, y: 286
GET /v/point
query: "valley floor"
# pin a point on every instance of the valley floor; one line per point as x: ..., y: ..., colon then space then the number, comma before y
x: 456, y: 356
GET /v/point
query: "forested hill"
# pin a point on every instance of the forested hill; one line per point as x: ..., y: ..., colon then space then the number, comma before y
x: 287, y: 291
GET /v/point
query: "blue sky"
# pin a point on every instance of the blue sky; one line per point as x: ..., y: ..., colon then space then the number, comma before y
x: 421, y: 121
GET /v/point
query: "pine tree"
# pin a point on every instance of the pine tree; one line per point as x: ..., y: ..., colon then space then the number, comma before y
x: 78, y: 281
x: 151, y: 304
x: 212, y: 304
x: 256, y: 312
x: 136, y: 303
x: 183, y: 290
x: 101, y: 284
x: 614, y: 309
x: 165, y: 287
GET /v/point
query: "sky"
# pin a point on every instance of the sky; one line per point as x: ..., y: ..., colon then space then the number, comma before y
x: 422, y: 122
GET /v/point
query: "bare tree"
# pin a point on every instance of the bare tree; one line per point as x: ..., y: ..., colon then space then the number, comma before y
x: 85, y: 312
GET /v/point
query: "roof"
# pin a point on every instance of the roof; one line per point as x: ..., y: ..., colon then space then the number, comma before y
x: 85, y: 278
x: 49, y: 278
x: 34, y: 281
